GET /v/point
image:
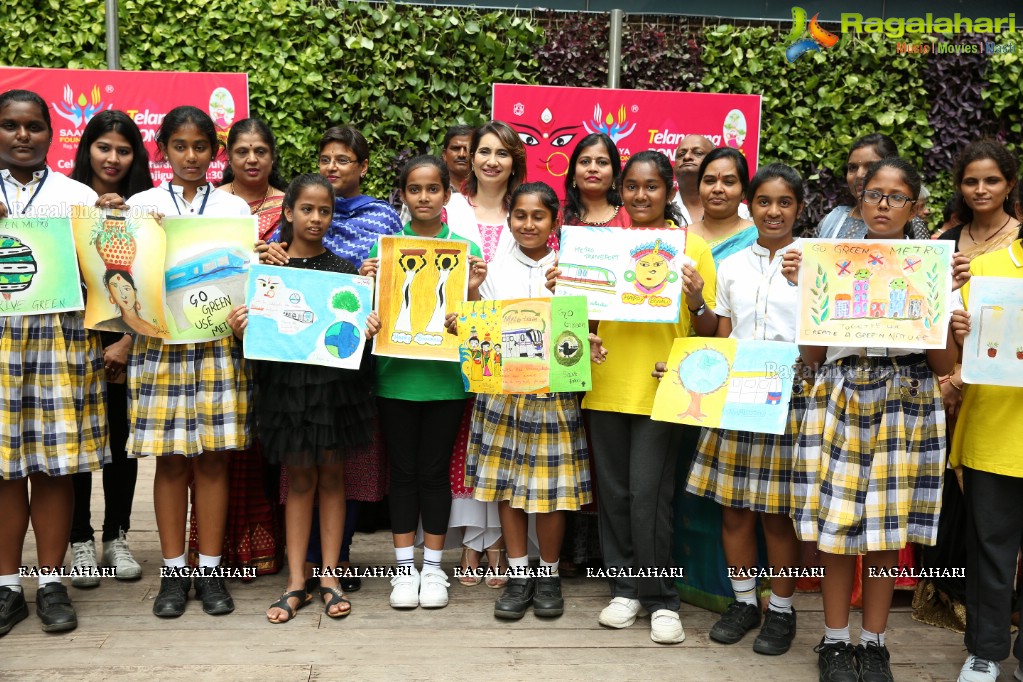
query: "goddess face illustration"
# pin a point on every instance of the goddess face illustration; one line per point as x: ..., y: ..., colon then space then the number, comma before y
x: 652, y: 267
x: 546, y: 142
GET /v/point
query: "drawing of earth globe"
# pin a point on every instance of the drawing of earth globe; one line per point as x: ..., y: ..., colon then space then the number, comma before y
x: 704, y: 371
x: 342, y: 339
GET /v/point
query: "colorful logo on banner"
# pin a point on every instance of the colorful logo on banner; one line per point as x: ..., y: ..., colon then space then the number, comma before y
x: 552, y: 120
x: 799, y: 43
x: 75, y: 96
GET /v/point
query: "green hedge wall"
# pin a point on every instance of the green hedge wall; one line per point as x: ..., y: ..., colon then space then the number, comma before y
x: 402, y: 73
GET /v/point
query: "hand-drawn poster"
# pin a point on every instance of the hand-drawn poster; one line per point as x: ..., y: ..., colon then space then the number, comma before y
x: 38, y: 268
x: 307, y: 316
x: 525, y: 345
x: 177, y: 282
x: 122, y: 260
x: 630, y: 275
x: 886, y: 294
x: 727, y: 384
x: 993, y: 350
x: 207, y: 264
x: 419, y: 281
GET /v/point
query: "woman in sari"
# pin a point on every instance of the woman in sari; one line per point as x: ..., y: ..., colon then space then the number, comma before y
x: 254, y: 538
x: 723, y: 179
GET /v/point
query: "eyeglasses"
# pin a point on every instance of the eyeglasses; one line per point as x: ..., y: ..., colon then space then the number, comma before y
x: 872, y: 196
x: 341, y: 161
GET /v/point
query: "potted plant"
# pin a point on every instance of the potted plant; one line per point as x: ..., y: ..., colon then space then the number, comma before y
x: 1019, y: 352
x: 992, y: 349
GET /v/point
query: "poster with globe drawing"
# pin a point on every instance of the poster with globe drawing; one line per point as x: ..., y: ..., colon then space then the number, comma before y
x: 307, y: 316
x: 38, y: 267
x: 993, y: 350
x: 727, y: 384
x: 524, y: 345
x: 629, y: 275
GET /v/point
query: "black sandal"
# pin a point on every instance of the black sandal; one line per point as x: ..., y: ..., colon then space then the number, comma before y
x: 337, y: 598
x: 303, y: 600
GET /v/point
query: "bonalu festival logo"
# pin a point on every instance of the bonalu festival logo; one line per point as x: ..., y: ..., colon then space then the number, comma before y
x: 818, y: 38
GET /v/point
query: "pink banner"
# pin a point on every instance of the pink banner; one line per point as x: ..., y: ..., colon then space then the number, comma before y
x: 75, y: 96
x: 552, y: 120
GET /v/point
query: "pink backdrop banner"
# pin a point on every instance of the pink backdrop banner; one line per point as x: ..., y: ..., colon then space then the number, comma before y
x: 74, y: 96
x: 552, y: 120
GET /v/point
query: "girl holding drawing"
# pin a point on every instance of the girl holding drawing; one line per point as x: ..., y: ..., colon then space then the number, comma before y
x: 51, y: 388
x: 874, y: 422
x: 993, y: 485
x: 635, y: 456
x: 527, y: 453
x: 749, y: 475
x: 112, y: 159
x: 310, y: 418
x: 189, y: 403
x: 421, y: 404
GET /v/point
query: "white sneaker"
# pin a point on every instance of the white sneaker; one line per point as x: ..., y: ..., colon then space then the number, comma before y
x: 978, y: 669
x: 666, y: 627
x: 1018, y: 674
x: 117, y: 554
x: 621, y: 612
x: 405, y: 590
x: 85, y: 573
x: 433, y: 589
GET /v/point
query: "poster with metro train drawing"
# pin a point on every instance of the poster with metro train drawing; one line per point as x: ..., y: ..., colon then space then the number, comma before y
x: 632, y: 275
x: 728, y: 384
x: 307, y: 316
x: 883, y: 294
x: 38, y: 268
x: 993, y: 350
x: 525, y: 345
x: 419, y: 281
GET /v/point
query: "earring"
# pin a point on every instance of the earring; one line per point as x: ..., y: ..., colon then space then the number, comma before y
x: 613, y: 185
x: 573, y: 183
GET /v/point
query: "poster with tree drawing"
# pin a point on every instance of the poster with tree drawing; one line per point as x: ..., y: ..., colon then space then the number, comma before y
x: 887, y: 294
x: 38, y: 267
x: 631, y: 275
x: 525, y: 345
x: 993, y: 350
x: 419, y: 281
x: 307, y: 316
x: 727, y: 384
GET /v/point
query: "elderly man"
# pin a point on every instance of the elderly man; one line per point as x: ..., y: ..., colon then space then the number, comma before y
x: 688, y: 158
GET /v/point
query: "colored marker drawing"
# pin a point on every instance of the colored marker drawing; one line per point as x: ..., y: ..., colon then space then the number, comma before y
x: 418, y: 282
x: 728, y: 384
x: 528, y: 345
x: 889, y: 294
x: 993, y: 350
x: 307, y: 316
x: 38, y: 267
x: 630, y: 275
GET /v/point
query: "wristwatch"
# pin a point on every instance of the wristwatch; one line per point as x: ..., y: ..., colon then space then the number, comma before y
x: 699, y: 311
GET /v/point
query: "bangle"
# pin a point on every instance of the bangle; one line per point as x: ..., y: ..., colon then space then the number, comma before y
x: 958, y: 387
x: 945, y: 380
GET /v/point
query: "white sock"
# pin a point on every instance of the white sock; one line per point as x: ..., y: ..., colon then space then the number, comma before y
x: 547, y: 569
x: 837, y: 635
x: 518, y: 567
x: 432, y: 557
x: 780, y: 604
x: 176, y: 562
x: 406, y: 556
x: 866, y: 636
x: 48, y: 578
x: 209, y: 561
x: 11, y: 582
x: 745, y: 591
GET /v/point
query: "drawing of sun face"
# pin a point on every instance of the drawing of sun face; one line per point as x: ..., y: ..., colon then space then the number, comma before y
x: 652, y: 270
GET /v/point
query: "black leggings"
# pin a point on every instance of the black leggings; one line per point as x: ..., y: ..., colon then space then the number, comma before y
x: 118, y: 477
x: 420, y: 437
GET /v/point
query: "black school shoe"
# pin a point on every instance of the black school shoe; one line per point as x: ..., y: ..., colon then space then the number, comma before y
x: 170, y: 601
x: 836, y: 662
x: 548, y: 602
x: 734, y: 623
x: 776, y: 636
x: 54, y: 608
x: 874, y: 663
x: 13, y: 609
x: 516, y: 598
x: 216, y: 600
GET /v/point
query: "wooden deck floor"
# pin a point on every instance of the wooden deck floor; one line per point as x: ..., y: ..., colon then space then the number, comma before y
x: 119, y: 638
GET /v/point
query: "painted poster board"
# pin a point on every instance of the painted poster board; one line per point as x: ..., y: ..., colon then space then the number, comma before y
x: 38, y: 267
x: 993, y: 350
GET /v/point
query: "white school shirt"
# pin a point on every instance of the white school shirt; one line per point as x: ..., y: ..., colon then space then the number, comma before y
x: 53, y: 198
x: 516, y: 275
x: 686, y: 219
x: 221, y: 204
x: 753, y: 292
